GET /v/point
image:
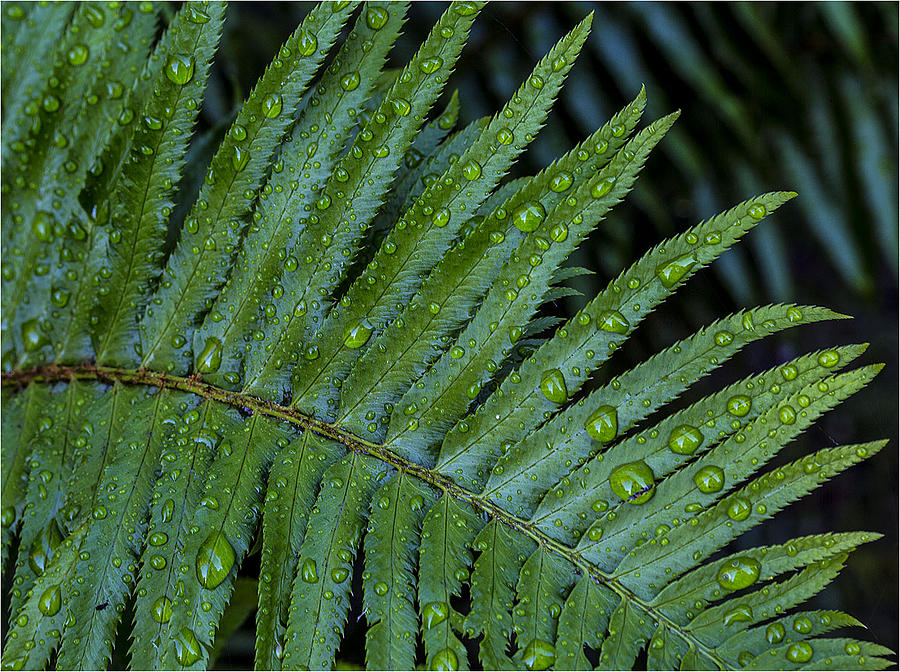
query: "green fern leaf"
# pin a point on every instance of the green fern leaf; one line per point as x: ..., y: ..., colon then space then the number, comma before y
x: 394, y: 523
x: 327, y: 324
x: 448, y: 531
x: 214, y: 225
x: 293, y: 483
x: 320, y: 595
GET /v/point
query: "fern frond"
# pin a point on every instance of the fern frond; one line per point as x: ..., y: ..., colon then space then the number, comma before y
x: 427, y: 230
x: 343, y: 340
x: 293, y: 484
x: 214, y: 226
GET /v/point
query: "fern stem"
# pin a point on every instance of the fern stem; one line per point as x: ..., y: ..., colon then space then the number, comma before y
x: 249, y: 404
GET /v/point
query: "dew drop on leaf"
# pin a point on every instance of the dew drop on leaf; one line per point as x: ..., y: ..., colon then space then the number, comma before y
x: 215, y: 558
x: 434, y: 613
x: 553, y: 386
x: 162, y: 610
x: 709, y: 479
x: 603, y: 424
x: 50, y: 601
x: 633, y: 482
x: 799, y: 652
x: 179, y: 69
x: 685, y: 439
x: 539, y: 655
x: 739, y: 573
x: 187, y: 648
x: 613, y: 321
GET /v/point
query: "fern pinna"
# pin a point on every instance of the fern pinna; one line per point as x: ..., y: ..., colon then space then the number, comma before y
x: 339, y: 366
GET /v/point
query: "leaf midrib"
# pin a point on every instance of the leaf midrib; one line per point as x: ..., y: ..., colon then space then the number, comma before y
x: 249, y: 404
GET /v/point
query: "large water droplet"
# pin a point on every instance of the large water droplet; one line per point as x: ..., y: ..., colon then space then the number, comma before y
x: 799, y: 652
x: 739, y: 573
x: 709, y: 479
x: 376, y: 17
x: 742, y: 613
x: 445, y: 660
x: 210, y: 358
x: 633, y: 482
x: 78, y: 54
x: 33, y: 337
x: 187, y: 648
x: 774, y: 633
x: 528, y: 216
x: 43, y: 547
x: 357, y: 335
x: 50, y: 601
x: 603, y: 424
x: 434, y: 613
x: 602, y: 187
x: 215, y: 558
x: 539, y: 655
x: 180, y: 69
x: 612, y: 320
x: 306, y: 43
x: 553, y: 386
x: 162, y: 610
x: 685, y: 439
x: 672, y: 271
x: 739, y: 508
x: 308, y: 571
x: 739, y: 405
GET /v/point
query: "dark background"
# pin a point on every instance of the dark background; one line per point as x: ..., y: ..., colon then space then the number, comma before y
x: 798, y: 96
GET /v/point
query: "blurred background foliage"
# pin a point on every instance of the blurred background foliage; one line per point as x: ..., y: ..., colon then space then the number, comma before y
x: 783, y: 95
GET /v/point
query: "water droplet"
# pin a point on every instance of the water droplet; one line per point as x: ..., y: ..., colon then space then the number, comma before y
x: 553, y: 386
x: 157, y: 539
x: 723, y: 338
x: 742, y: 613
x: 401, y: 106
x: 381, y: 588
x: 774, y: 633
x: 168, y: 509
x: 633, y: 482
x: 602, y: 187
x: 559, y: 232
x: 339, y: 575
x: 179, y: 69
x: 50, y: 601
x: 306, y: 43
x: 829, y: 358
x: 757, y: 211
x: 376, y: 17
x: 431, y: 65
x: 739, y: 508
x: 709, y: 479
x: 441, y: 218
x: 78, y: 54
x: 739, y: 405
x: 308, y: 571
x: 603, y: 424
x: 803, y: 625
x: 43, y: 547
x: 528, y: 216
x: 215, y: 558
x: 671, y: 272
x: 187, y: 648
x: 357, y: 335
x: 787, y: 415
x: 852, y: 648
x: 561, y: 181
x: 350, y: 81
x: 99, y: 512
x: 472, y: 170
x: 195, y: 14
x: 210, y: 358
x: 539, y: 655
x: 799, y: 652
x: 157, y: 562
x: 434, y: 613
x: 685, y: 439
x: 445, y: 659
x: 739, y: 573
x: 162, y: 610
x: 33, y: 337
x: 8, y: 516
x: 614, y: 321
